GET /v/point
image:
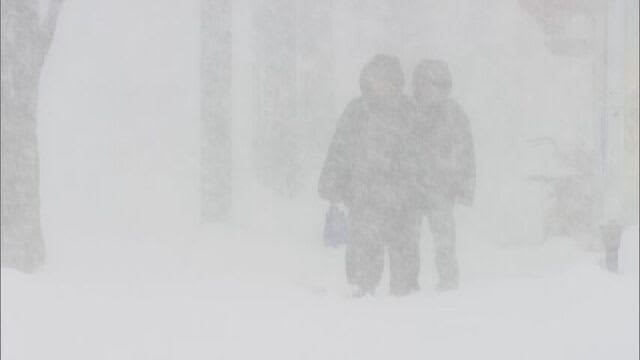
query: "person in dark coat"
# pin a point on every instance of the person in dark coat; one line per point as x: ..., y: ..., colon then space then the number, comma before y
x: 445, y: 145
x: 368, y: 170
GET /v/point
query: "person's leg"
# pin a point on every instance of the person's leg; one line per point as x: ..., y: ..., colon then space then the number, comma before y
x: 442, y: 224
x: 404, y: 254
x: 365, y: 251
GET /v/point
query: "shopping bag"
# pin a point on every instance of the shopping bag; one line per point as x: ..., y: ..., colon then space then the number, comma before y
x: 335, y: 227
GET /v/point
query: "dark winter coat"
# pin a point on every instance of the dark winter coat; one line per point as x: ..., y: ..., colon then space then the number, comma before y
x: 370, y: 161
x: 445, y: 142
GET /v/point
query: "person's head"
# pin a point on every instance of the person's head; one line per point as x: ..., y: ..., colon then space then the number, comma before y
x: 432, y: 82
x: 382, y: 77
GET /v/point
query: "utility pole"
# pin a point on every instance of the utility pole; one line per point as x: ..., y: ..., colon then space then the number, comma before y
x: 216, y: 160
x: 614, y: 109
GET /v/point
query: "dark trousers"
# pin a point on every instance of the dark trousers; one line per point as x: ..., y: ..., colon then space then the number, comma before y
x: 443, y: 230
x: 371, y: 230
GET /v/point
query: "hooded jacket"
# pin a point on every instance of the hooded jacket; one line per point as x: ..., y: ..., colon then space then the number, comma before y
x: 445, y: 137
x: 369, y: 162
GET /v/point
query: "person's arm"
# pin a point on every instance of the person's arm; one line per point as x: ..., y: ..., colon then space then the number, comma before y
x: 336, y: 172
x: 464, y: 158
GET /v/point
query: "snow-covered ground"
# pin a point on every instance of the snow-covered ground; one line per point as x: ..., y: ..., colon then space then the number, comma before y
x: 233, y: 295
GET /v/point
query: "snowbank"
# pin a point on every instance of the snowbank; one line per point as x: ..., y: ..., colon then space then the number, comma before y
x: 221, y: 298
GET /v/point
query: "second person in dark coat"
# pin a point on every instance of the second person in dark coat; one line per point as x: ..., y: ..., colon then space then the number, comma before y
x: 447, y: 163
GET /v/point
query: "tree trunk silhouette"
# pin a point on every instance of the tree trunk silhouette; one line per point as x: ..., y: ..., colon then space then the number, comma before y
x: 27, y: 33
